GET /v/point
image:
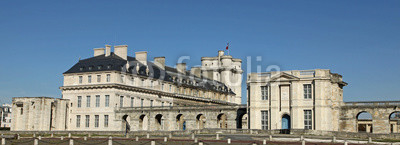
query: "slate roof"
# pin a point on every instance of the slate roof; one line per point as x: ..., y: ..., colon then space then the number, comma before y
x: 116, y: 63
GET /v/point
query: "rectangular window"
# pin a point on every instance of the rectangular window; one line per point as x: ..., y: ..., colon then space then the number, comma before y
x: 170, y: 104
x: 107, y: 101
x: 133, y: 81
x: 89, y: 79
x: 307, y: 119
x: 122, y: 78
x: 151, y: 103
x: 80, y: 79
x: 151, y: 84
x: 307, y: 91
x: 121, y: 101
x: 264, y: 120
x: 87, y: 120
x: 132, y: 101
x: 98, y: 78
x: 264, y: 92
x: 87, y: 101
x: 78, y: 121
x: 141, y: 102
x: 105, y: 120
x: 162, y: 87
x: 170, y: 88
x: 97, y: 100
x: 96, y: 121
x: 162, y: 104
x: 108, y: 78
x: 79, y: 101
x: 142, y: 83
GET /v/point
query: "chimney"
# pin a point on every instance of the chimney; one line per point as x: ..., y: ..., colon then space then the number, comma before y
x: 160, y: 62
x: 98, y: 51
x: 220, y: 53
x: 108, y: 50
x: 141, y: 57
x: 121, y: 51
x: 181, y: 68
x: 196, y: 71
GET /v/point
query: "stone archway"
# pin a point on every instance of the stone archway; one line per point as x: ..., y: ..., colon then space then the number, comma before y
x: 180, y: 121
x: 143, y: 122
x: 159, y: 122
x: 364, y: 122
x: 200, y: 121
x: 394, y: 122
x: 222, y: 121
x: 126, y: 123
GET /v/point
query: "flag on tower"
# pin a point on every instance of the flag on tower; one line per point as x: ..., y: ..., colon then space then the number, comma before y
x: 227, y: 46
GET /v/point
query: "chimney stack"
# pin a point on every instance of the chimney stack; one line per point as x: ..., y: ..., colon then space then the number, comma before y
x: 121, y: 51
x: 181, y: 68
x: 98, y: 51
x: 196, y: 71
x: 160, y: 62
x: 108, y: 50
x: 141, y: 57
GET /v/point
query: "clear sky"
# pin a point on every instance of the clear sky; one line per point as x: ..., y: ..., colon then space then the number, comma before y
x: 40, y: 40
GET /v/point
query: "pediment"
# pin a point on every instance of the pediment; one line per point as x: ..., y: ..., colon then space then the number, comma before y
x: 283, y: 77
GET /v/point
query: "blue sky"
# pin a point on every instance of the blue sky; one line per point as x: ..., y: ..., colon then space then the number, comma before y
x: 358, y: 39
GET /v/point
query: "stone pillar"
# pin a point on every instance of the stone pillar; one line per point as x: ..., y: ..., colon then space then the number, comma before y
x: 195, y: 140
x: 170, y: 135
x: 153, y: 142
x: 62, y: 137
x: 71, y: 141
x: 229, y: 141
x: 165, y: 139
x: 110, y: 140
x: 270, y: 137
x: 84, y: 138
x: 137, y: 138
x: 334, y: 139
x: 3, y: 141
x: 40, y: 137
x: 69, y: 135
x: 217, y: 136
x: 147, y: 135
x: 200, y: 143
x: 303, y: 142
x: 36, y: 142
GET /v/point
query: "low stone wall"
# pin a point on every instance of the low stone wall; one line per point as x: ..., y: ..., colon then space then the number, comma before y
x: 310, y: 133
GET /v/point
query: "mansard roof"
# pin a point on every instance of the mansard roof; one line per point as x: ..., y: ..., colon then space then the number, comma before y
x: 149, y: 70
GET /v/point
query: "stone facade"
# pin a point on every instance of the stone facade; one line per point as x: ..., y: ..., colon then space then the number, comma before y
x: 287, y: 96
x: 114, y: 92
x: 100, y: 90
x: 40, y: 114
x: 313, y: 100
x: 5, y: 115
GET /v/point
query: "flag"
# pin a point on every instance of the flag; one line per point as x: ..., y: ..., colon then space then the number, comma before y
x: 227, y: 46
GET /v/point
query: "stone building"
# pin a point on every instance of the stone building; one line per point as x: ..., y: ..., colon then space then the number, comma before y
x: 112, y: 91
x: 5, y: 116
x: 313, y: 99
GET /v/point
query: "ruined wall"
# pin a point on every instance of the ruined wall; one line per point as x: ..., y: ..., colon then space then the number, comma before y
x: 380, y: 112
x: 39, y: 114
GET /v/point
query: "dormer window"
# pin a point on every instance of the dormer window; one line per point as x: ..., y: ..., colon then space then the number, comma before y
x: 99, y: 67
x: 90, y: 67
x: 109, y: 66
x: 81, y: 68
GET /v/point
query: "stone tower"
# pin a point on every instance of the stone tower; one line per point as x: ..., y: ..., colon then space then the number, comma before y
x: 225, y: 69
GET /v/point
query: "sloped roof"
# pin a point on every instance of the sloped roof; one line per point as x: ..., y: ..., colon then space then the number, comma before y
x: 116, y: 63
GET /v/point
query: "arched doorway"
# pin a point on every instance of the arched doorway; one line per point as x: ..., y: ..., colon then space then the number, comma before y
x: 180, y: 121
x: 159, y: 122
x: 364, y: 122
x: 201, y: 121
x: 286, y: 121
x: 143, y: 122
x: 222, y: 121
x: 125, y: 123
x: 394, y: 122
